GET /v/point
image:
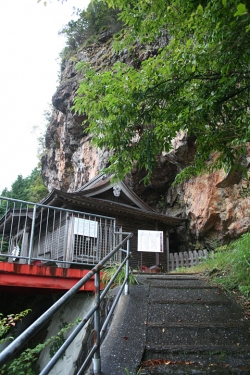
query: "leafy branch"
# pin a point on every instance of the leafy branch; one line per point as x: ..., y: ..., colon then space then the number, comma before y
x: 23, y: 364
x: 196, y: 83
x: 6, y: 323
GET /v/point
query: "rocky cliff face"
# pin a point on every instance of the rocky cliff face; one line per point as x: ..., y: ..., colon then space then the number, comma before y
x: 216, y: 206
x: 70, y: 160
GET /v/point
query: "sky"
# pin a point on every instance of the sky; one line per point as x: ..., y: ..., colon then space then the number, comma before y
x: 29, y: 71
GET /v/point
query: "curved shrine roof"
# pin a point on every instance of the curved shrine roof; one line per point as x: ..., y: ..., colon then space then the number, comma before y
x: 98, y: 195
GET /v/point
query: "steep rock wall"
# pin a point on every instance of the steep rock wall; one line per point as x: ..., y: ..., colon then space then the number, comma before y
x: 213, y: 204
x: 218, y: 204
x: 70, y: 160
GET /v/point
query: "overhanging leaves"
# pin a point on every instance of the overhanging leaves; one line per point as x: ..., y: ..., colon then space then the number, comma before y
x: 199, y: 83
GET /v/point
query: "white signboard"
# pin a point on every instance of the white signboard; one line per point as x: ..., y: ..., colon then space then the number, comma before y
x: 85, y: 227
x: 150, y: 240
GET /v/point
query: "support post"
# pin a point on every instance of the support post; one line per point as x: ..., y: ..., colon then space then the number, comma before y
x: 167, y: 249
x: 126, y: 288
x: 97, y: 355
x: 25, y: 247
x: 32, y: 234
x: 157, y: 255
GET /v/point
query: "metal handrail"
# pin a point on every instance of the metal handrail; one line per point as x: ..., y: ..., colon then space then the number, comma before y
x: 20, y: 341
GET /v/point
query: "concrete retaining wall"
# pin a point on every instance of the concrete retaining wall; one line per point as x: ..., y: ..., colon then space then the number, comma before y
x: 76, y: 308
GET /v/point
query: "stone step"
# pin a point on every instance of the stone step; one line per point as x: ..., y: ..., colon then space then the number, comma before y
x: 164, y: 351
x: 184, y: 283
x: 193, y: 328
x: 197, y: 336
x: 196, y: 301
x: 170, y: 276
x: 166, y: 281
x: 203, y: 359
x: 194, y: 368
x: 174, y: 285
x: 191, y: 313
x: 188, y: 294
x: 178, y: 325
x: 196, y: 324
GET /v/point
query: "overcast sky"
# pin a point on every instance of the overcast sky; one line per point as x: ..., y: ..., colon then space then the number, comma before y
x: 29, y: 66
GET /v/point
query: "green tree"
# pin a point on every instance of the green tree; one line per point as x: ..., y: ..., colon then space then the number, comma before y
x: 199, y: 82
x: 20, y: 188
x: 90, y: 23
x: 30, y: 188
x: 37, y: 190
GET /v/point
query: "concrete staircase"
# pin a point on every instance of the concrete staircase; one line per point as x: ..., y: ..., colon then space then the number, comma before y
x: 174, y: 324
x: 193, y: 328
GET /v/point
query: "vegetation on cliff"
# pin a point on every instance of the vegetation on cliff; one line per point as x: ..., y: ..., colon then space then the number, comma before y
x: 198, y: 83
x: 93, y: 21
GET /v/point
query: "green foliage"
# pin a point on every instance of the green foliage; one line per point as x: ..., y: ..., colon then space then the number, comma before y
x: 37, y: 190
x: 127, y: 372
x: 75, y: 31
x: 199, y: 83
x: 24, y: 363
x: 6, y: 323
x: 30, y: 188
x: 237, y: 265
x: 109, y: 271
x: 4, y: 244
x: 229, y: 265
x: 90, y: 23
x: 60, y: 339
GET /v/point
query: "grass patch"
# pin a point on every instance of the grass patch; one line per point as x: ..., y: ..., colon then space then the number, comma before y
x: 229, y: 266
x: 108, y: 273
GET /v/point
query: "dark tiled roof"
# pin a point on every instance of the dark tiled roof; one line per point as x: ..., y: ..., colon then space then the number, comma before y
x: 108, y: 207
